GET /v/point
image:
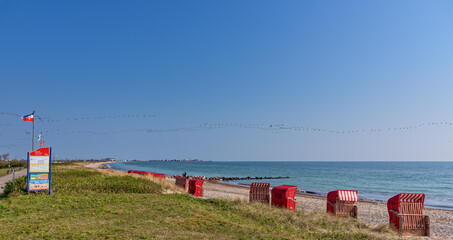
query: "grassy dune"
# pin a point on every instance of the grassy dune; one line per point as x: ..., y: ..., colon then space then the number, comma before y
x: 92, y: 204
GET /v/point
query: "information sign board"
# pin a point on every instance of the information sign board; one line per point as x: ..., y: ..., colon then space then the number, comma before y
x: 39, y: 170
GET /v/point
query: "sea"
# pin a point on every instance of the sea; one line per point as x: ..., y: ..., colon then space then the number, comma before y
x: 375, y: 181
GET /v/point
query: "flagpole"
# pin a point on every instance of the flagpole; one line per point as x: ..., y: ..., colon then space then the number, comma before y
x: 33, y: 134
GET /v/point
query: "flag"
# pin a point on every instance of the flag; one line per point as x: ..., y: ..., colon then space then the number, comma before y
x: 28, y: 117
x: 42, y: 143
x: 39, y: 137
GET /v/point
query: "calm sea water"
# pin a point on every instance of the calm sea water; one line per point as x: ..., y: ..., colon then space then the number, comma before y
x: 374, y: 180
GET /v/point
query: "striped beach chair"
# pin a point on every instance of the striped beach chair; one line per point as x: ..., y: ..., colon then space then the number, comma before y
x: 181, y: 182
x: 406, y: 214
x: 259, y: 192
x: 342, y: 203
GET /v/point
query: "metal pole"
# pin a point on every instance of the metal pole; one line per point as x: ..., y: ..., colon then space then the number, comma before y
x: 33, y: 134
x: 14, y: 171
x: 28, y: 173
x: 50, y: 171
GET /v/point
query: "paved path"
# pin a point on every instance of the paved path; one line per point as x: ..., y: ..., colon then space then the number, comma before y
x: 9, y: 177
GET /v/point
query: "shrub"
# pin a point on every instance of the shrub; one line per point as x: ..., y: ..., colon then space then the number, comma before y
x: 20, y: 187
x: 89, y: 181
x: 13, y: 163
x: 67, y: 180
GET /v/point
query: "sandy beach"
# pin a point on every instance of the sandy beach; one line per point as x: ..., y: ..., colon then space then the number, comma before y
x: 370, y: 212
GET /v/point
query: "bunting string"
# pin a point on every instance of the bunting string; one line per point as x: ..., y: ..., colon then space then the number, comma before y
x: 51, y: 120
x: 101, y: 117
x: 275, y: 128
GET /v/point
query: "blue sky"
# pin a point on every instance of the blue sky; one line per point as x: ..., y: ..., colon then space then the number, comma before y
x: 334, y: 65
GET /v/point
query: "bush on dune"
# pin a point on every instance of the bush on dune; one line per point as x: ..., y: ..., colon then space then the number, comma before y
x: 70, y: 178
x: 20, y: 187
x: 85, y: 181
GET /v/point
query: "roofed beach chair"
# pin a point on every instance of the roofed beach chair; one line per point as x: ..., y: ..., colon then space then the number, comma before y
x: 342, y: 203
x: 196, y: 187
x: 406, y: 214
x: 284, y: 196
x: 138, y: 172
x: 259, y: 192
x: 181, y: 182
x: 158, y: 175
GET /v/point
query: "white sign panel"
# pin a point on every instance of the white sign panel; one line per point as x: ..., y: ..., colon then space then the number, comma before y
x: 39, y: 163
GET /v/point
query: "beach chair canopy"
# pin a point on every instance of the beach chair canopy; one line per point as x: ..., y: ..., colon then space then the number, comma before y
x: 259, y: 185
x: 197, y: 181
x: 342, y: 195
x: 181, y: 179
x: 285, y: 190
x: 394, y: 202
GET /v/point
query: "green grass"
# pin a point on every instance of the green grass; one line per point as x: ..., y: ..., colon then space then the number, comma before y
x: 89, y: 205
x: 4, y: 171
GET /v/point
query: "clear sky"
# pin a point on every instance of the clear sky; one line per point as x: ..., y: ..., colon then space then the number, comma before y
x: 272, y: 72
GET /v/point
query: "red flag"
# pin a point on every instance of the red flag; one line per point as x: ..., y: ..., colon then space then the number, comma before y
x: 42, y: 143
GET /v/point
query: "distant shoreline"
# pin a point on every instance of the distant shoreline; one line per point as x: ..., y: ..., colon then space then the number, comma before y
x: 167, y: 160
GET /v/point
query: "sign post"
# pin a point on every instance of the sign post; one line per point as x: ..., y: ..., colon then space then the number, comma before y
x: 39, y: 171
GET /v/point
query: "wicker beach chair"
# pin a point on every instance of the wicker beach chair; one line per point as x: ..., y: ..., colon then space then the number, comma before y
x: 158, y: 175
x: 138, y: 172
x: 342, y: 203
x: 181, y: 182
x: 196, y: 187
x: 284, y: 196
x: 406, y: 214
x: 259, y: 192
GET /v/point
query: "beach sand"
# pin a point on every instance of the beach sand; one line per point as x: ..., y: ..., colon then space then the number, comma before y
x: 372, y: 213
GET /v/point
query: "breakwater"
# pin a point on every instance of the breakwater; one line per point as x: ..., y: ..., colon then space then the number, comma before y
x: 231, y: 178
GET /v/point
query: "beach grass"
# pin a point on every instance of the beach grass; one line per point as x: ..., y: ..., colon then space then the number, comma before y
x: 88, y: 204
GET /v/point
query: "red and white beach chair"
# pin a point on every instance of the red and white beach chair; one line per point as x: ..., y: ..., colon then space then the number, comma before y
x: 406, y: 214
x: 342, y: 203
